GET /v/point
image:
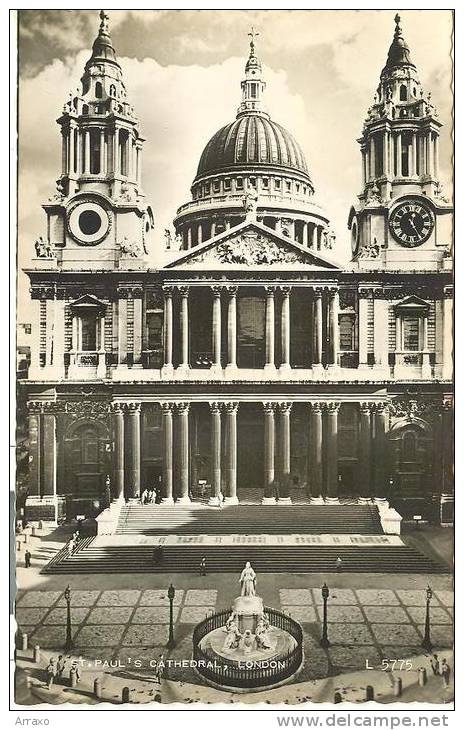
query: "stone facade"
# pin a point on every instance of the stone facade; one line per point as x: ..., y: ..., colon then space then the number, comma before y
x: 248, y: 359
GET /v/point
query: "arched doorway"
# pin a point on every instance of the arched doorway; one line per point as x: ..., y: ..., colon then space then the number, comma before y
x: 411, y: 467
x: 87, y: 459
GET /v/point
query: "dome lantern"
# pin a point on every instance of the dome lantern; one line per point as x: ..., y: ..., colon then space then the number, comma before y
x: 252, y: 85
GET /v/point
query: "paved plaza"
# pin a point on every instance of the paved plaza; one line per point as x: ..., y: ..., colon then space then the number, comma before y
x: 132, y: 625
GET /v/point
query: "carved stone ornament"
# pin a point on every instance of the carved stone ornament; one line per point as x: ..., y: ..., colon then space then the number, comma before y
x: 43, y: 249
x: 250, y: 249
x: 370, y: 250
x: 88, y: 408
x: 129, y: 249
x: 411, y: 408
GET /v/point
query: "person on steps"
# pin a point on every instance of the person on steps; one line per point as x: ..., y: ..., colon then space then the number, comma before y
x: 203, y: 566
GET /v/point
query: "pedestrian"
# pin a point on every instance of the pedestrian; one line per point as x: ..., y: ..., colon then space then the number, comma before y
x: 74, y: 672
x: 51, y: 672
x: 338, y: 563
x: 203, y: 566
x: 435, y: 664
x: 220, y: 498
x: 70, y: 547
x: 60, y: 667
x: 445, y: 673
x: 27, y: 558
x: 143, y: 497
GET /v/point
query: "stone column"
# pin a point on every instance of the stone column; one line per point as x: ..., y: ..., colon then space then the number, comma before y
x: 167, y: 409
x: 137, y: 329
x: 412, y: 171
x: 168, y: 334
x: 315, y: 453
x: 447, y: 373
x: 333, y: 328
x: 285, y: 328
x: 64, y: 152
x: 380, y: 452
x: 49, y: 450
x: 86, y: 142
x: 285, y: 454
x: 231, y: 409
x: 200, y: 234
x: 118, y: 425
x: 216, y: 475
x: 133, y: 452
x: 385, y: 149
x: 122, y: 330
x: 34, y: 421
x: 317, y: 327
x: 213, y: 229
x: 306, y: 235
x: 184, y: 326
x: 231, y: 328
x: 217, y: 321
x: 436, y: 157
x: 72, y: 167
x: 447, y: 447
x: 398, y: 154
x: 183, y: 420
x: 270, y: 329
x: 314, y: 237
x: 269, y: 453
x: 364, y: 469
x: 380, y: 330
x: 102, y: 152
x: 371, y: 158
x: 189, y: 237
x: 362, y: 327
x: 332, y: 452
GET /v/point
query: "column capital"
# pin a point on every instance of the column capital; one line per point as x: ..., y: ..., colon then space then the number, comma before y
x: 269, y: 407
x: 215, y: 406
x: 133, y: 408
x: 167, y: 407
x: 231, y: 407
x: 317, y: 407
x: 285, y: 407
x: 216, y: 289
x: 270, y: 290
x: 317, y: 291
x: 381, y: 408
x: 447, y: 405
x: 167, y: 290
x: 183, y: 290
x: 448, y: 291
x: 366, y: 407
x: 182, y: 408
x: 331, y: 407
x: 231, y: 290
x: 117, y: 407
x: 35, y: 407
x: 285, y: 290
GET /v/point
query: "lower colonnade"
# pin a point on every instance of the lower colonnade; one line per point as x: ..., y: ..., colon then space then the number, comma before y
x: 323, y: 452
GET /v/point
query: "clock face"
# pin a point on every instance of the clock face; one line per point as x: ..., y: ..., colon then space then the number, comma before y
x: 411, y: 223
x: 88, y: 223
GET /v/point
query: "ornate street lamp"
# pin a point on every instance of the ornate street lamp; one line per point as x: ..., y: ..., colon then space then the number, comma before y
x: 69, y: 642
x: 324, y: 642
x: 171, y: 593
x: 427, y: 644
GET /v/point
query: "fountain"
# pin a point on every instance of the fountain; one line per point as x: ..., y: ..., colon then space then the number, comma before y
x: 248, y: 647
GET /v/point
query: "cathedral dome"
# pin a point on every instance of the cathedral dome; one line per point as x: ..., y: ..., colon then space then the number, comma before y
x: 252, y: 139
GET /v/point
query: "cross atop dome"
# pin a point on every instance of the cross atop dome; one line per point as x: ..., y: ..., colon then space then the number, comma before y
x: 253, y: 34
x: 104, y: 24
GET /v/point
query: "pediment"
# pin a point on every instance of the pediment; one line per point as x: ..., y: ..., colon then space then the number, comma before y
x: 87, y: 301
x: 412, y: 302
x: 251, y: 245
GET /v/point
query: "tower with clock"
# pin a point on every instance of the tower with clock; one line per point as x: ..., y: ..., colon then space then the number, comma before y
x: 403, y: 221
x: 98, y: 218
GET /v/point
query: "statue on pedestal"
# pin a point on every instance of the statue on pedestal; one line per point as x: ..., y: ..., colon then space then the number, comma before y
x: 233, y: 637
x: 262, y: 635
x: 248, y: 581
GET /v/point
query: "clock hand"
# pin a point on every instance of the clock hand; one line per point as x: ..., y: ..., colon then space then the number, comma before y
x: 412, y: 224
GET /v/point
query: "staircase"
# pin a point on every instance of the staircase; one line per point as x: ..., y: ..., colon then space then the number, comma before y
x: 195, y: 519
x: 265, y: 559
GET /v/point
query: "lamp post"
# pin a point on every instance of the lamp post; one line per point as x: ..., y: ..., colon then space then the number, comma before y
x: 427, y: 644
x: 324, y: 642
x: 171, y: 593
x: 69, y: 642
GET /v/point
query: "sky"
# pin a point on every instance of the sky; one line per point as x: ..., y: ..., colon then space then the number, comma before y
x: 182, y: 70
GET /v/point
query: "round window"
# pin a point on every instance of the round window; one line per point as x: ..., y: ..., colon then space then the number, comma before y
x: 89, y: 222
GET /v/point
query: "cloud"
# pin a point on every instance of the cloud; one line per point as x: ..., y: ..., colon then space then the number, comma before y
x: 321, y: 76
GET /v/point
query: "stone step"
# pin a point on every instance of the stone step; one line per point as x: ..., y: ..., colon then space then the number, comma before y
x: 230, y: 559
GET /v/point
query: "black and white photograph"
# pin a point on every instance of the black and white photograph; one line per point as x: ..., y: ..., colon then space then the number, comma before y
x: 234, y: 387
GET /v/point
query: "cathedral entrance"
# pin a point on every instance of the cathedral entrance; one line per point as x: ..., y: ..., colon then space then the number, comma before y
x: 251, y: 332
x: 250, y: 452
